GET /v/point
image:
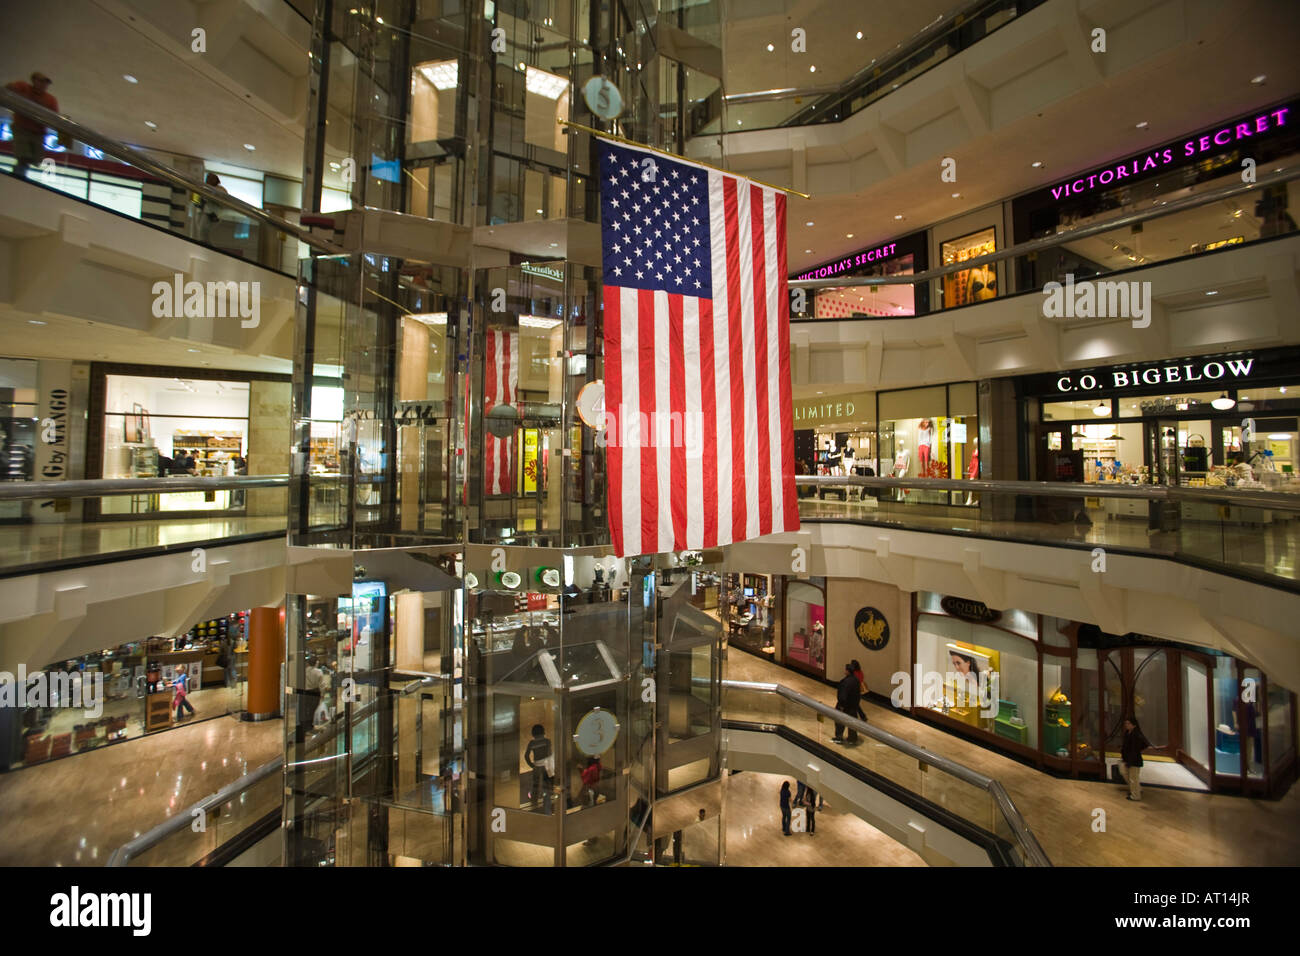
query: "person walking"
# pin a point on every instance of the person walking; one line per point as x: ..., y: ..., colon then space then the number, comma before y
x: 28, y: 132
x: 785, y: 807
x: 810, y: 809
x: 210, y: 210
x: 848, y: 695
x: 181, y: 691
x: 1131, y: 754
x: 540, y: 758
x: 862, y: 687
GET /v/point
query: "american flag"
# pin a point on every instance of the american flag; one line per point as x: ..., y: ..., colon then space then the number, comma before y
x: 698, y: 420
x: 500, y: 387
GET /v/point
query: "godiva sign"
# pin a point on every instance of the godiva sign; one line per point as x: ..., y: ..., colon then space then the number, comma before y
x: 834, y: 409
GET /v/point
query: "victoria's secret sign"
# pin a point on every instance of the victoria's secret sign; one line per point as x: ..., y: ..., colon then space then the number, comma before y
x: 1210, y: 141
x: 864, y: 257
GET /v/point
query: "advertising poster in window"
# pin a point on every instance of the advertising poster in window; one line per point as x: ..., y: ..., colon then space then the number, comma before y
x: 969, y: 285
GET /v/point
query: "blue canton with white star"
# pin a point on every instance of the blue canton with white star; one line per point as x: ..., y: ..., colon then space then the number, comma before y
x: 654, y: 222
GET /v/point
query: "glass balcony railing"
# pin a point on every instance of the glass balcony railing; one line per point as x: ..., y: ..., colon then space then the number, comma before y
x: 1152, y: 228
x: 137, y: 517
x: 95, y: 169
x: 1247, y: 534
x: 961, y: 791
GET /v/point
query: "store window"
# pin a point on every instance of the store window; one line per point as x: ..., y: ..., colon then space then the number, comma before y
x: 172, y: 426
x: 805, y: 627
x: 749, y: 604
x: 17, y: 428
x: 1281, y: 726
x: 1000, y: 667
x: 930, y: 433
x: 969, y: 285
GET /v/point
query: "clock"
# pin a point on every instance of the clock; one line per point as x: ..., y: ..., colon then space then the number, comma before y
x: 597, y: 731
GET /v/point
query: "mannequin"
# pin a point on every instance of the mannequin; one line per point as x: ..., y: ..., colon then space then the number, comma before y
x: 832, y: 459
x: 924, y: 445
x: 902, y: 461
x: 973, y: 472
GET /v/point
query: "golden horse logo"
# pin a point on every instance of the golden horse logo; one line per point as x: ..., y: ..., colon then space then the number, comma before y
x: 872, y: 630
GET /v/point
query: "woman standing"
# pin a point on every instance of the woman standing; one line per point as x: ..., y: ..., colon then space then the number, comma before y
x: 1131, y: 754
x: 785, y: 807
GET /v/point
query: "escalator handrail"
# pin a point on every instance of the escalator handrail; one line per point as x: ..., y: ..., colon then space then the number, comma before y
x: 1006, y: 806
x: 133, y: 157
x: 96, y: 487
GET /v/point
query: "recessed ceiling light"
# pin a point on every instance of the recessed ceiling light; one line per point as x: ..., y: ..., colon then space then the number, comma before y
x: 808, y: 223
x: 36, y: 322
x: 898, y: 217
x: 848, y: 235
x: 193, y: 350
x: 956, y: 195
x: 770, y: 48
x: 1037, y: 164
x: 738, y: 122
x: 1257, y: 80
x: 812, y: 69
x: 151, y: 124
x: 250, y: 147
x: 554, y: 244
x: 807, y: 250
x: 1142, y: 125
x: 539, y: 212
x: 1213, y: 292
x: 129, y: 78
x: 859, y: 34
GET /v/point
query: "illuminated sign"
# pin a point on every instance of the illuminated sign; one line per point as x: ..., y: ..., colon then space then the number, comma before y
x: 865, y: 256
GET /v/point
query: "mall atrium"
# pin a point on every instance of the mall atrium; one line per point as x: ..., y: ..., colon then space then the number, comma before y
x: 608, y: 433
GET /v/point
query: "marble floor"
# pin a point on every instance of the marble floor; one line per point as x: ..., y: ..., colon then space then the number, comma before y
x: 29, y: 545
x: 1272, y: 548
x: 754, y: 836
x: 1167, y: 828
x: 78, y: 810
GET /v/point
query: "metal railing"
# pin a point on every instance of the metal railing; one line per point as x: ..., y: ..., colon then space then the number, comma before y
x: 1043, y: 243
x: 97, y: 487
x: 1032, y: 852
x: 1241, y: 532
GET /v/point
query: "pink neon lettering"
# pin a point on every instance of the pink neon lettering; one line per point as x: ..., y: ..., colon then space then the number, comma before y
x: 1222, y: 132
x: 1105, y: 173
x: 1280, y: 114
x: 1243, y: 129
x: 1261, y: 123
x: 1121, y: 172
x: 1205, y: 143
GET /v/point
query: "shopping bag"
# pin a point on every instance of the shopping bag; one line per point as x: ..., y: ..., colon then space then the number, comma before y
x: 799, y: 820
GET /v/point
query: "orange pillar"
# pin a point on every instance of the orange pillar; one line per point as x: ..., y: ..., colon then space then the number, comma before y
x: 265, y: 654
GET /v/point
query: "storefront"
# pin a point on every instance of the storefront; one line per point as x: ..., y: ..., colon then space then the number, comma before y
x: 1210, y: 158
x: 148, y: 422
x: 750, y: 608
x: 125, y: 692
x: 898, y: 257
x: 17, y: 428
x: 1056, y: 692
x: 1223, y: 421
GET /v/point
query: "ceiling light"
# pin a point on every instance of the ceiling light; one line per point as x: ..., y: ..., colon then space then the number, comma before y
x: 545, y: 84
x: 554, y: 244
x: 859, y: 34
x: 1257, y: 80
x: 1142, y: 125
x: 193, y: 350
x: 1101, y: 409
x: 37, y: 322
x: 151, y: 124
x: 808, y: 223
x: 807, y: 250
x: 848, y: 235
x: 898, y: 217
x: 250, y: 147
x: 335, y: 167
x: 444, y: 74
x: 538, y: 322
x: 812, y: 69
x: 1279, y: 436
x: 956, y: 195
x: 1213, y: 292
x: 429, y: 318
x: 738, y: 122
x: 1282, y: 389
x: 540, y: 213
x: 1223, y: 402
x: 1037, y: 164
x: 129, y: 78
x: 770, y: 48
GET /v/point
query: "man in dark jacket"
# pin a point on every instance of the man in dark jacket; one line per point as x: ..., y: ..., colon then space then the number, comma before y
x: 847, y: 697
x: 1131, y: 753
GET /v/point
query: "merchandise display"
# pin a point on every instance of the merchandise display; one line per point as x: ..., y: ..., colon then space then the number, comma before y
x: 970, y: 285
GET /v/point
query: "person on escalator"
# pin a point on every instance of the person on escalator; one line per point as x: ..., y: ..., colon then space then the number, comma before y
x: 28, y: 132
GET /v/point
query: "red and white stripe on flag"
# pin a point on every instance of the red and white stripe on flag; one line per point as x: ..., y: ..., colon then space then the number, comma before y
x: 699, y: 424
x: 500, y: 387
